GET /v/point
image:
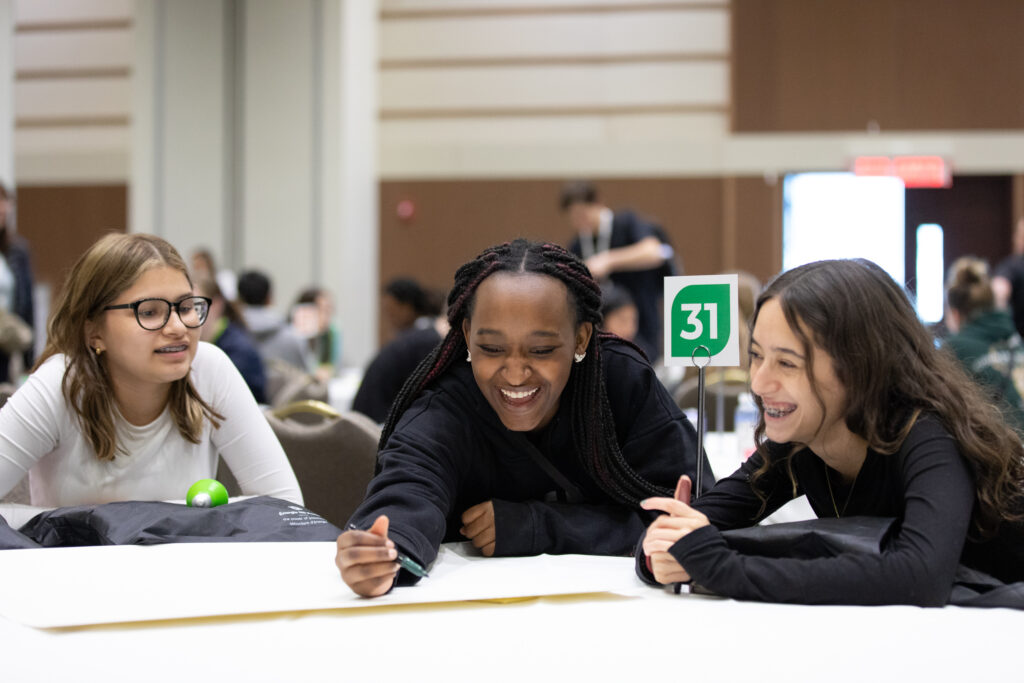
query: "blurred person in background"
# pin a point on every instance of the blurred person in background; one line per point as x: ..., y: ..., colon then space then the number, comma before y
x: 984, y: 338
x: 395, y: 362
x: 619, y: 312
x: 203, y: 265
x: 275, y: 336
x: 15, y: 281
x: 406, y: 303
x: 313, y: 317
x: 225, y: 327
x: 628, y: 250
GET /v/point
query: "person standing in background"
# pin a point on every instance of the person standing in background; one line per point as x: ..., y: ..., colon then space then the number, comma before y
x: 15, y: 279
x: 622, y: 247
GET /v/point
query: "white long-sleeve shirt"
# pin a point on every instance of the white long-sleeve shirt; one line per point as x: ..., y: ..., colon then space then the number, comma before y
x: 40, y: 434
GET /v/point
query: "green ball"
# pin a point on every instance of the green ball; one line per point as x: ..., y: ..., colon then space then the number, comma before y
x: 206, y: 493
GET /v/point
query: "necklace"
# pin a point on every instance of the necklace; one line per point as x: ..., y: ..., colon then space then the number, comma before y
x: 828, y: 480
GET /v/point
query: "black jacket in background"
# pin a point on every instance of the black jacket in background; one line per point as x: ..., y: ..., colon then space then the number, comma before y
x: 389, y: 370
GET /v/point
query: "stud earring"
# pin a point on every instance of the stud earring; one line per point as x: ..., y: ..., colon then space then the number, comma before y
x: 98, y: 351
x: 578, y: 357
x: 469, y: 356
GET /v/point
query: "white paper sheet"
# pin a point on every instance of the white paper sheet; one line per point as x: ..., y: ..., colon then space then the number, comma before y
x: 58, y: 587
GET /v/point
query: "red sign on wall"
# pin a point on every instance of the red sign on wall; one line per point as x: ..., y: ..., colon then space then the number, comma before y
x: 914, y: 171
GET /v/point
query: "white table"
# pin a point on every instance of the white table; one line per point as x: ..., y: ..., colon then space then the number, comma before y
x: 635, y: 633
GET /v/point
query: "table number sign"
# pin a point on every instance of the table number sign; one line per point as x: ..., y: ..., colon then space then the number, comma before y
x: 702, y: 320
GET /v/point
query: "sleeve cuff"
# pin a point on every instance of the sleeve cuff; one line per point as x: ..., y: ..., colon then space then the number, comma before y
x: 513, y: 529
x: 704, y: 537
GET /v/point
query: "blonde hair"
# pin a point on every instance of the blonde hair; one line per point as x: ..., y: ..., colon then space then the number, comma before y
x: 101, y: 274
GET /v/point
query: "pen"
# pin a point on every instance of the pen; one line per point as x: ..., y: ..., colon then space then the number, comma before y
x: 403, y: 560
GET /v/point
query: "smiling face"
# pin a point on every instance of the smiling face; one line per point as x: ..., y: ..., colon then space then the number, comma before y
x: 139, y: 360
x: 522, y: 335
x: 779, y: 375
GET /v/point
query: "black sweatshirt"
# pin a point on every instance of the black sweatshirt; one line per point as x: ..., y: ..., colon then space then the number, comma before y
x: 927, y: 486
x: 450, y: 451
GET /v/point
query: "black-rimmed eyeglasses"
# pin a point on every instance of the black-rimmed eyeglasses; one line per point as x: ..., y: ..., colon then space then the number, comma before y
x: 153, y: 314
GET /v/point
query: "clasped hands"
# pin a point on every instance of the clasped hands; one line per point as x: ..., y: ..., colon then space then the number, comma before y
x: 664, y: 532
x: 366, y: 559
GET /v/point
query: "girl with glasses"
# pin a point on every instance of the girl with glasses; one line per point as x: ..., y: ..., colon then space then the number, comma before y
x: 125, y: 402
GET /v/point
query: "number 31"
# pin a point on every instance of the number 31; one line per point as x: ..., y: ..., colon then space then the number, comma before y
x: 693, y: 310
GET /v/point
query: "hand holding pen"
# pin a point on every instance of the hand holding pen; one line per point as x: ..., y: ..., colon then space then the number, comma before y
x: 667, y: 529
x: 368, y: 560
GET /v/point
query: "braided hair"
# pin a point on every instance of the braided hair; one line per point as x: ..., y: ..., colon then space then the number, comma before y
x: 593, y: 425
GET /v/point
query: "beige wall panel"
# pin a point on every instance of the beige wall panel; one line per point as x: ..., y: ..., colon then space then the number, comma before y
x: 74, y: 50
x: 58, y: 98
x: 530, y: 6
x: 61, y: 11
x: 108, y: 166
x: 562, y: 86
x: 556, y: 129
x: 278, y: 171
x: 72, y: 139
x: 564, y: 35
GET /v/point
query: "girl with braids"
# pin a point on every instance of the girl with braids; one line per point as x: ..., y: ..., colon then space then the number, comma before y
x: 527, y: 430
x: 860, y: 412
x: 126, y: 403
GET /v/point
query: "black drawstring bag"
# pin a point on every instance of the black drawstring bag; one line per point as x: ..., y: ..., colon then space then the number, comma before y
x: 151, y: 523
x: 828, y: 537
x: 825, y: 537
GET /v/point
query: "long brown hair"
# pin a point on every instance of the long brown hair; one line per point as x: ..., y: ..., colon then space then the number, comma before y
x: 101, y: 274
x: 893, y: 372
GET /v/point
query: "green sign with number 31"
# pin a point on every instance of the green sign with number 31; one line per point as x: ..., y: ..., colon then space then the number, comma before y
x: 701, y: 316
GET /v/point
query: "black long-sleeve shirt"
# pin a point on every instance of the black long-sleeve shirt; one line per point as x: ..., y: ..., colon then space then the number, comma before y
x: 450, y: 451
x: 927, y: 486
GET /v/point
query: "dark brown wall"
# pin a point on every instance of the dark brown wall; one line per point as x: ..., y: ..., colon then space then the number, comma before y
x: 813, y: 65
x: 976, y: 215
x: 61, y: 222
x: 715, y: 224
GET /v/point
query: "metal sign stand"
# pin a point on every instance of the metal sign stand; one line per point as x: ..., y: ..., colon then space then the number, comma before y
x: 701, y: 416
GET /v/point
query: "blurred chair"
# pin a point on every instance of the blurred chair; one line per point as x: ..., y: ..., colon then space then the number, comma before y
x: 332, y: 454
x: 20, y: 493
x: 728, y: 383
x: 287, y: 384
